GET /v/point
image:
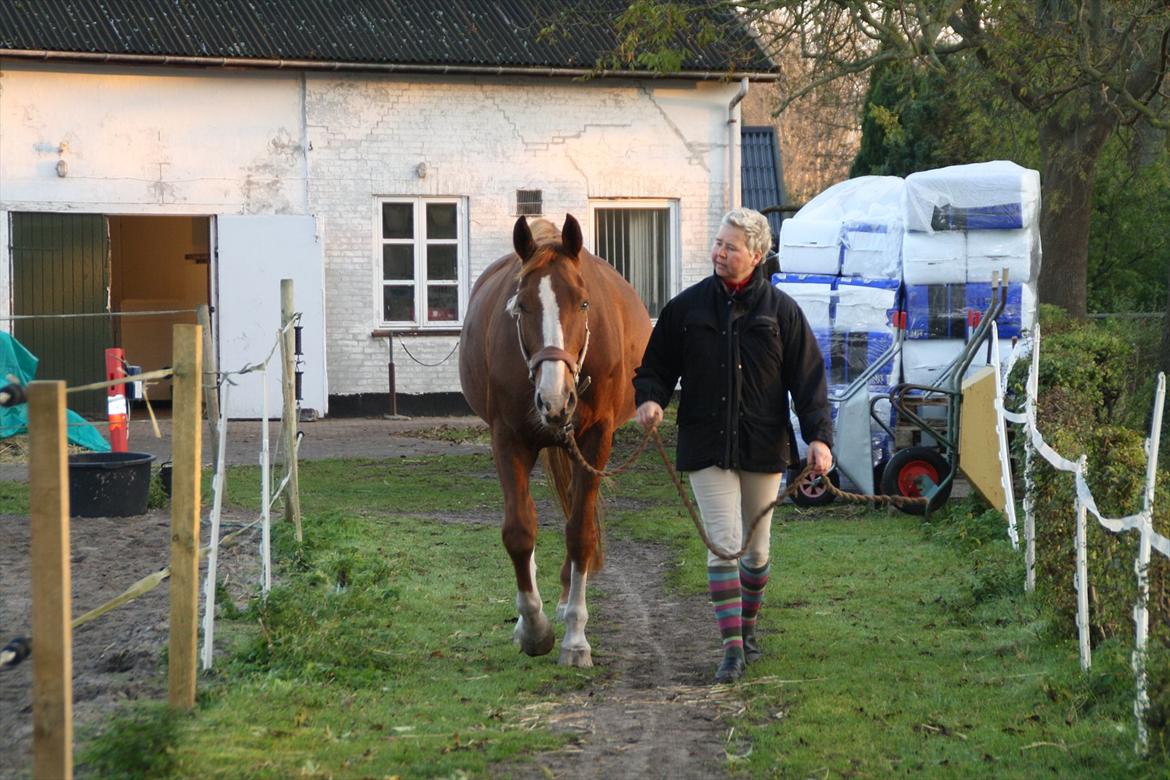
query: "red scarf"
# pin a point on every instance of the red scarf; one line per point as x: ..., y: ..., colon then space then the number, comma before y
x: 734, y: 287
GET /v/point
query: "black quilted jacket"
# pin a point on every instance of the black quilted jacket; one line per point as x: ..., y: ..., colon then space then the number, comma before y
x: 739, y: 357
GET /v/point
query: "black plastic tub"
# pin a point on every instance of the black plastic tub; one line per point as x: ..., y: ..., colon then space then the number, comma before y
x: 109, y: 484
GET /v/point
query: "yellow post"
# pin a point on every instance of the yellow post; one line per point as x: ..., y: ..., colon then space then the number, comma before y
x: 186, y: 451
x: 292, y: 491
x: 978, y: 440
x: 52, y: 631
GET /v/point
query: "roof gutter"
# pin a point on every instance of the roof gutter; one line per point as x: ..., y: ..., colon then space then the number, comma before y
x: 368, y: 67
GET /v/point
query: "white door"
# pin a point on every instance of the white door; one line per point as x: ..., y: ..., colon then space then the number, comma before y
x: 253, y: 253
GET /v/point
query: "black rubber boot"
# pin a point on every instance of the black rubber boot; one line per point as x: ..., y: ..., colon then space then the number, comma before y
x: 732, y: 667
x: 751, y: 647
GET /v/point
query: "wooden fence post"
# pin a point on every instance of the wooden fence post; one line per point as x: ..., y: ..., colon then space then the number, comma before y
x: 185, y: 498
x: 52, y: 631
x: 292, y: 491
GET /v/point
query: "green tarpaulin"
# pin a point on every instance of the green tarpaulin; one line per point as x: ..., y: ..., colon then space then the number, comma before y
x: 17, y: 362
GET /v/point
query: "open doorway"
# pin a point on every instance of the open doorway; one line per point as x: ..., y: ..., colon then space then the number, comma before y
x: 71, y: 271
x: 157, y: 264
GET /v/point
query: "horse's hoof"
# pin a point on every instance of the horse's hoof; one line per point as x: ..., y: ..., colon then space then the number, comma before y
x: 539, y: 642
x: 582, y: 658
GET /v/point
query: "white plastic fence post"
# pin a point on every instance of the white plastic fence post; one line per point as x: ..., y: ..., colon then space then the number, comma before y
x: 1082, y: 577
x: 1141, y: 613
x: 217, y: 488
x: 1029, y: 455
x: 1005, y: 464
x: 265, y: 489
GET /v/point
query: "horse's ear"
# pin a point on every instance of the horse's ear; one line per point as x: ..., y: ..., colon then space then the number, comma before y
x: 522, y: 240
x: 571, y: 236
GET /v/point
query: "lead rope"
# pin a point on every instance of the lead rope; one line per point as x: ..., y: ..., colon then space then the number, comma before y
x: 575, y: 452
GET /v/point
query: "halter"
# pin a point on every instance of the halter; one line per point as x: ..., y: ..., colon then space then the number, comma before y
x: 555, y: 353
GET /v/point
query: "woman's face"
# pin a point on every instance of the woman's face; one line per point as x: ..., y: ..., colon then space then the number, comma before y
x: 733, y: 262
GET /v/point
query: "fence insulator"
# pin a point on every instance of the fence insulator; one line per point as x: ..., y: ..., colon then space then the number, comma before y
x: 298, y: 375
x: 297, y: 340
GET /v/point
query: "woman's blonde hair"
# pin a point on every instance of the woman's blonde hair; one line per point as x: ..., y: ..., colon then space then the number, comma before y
x: 755, y: 228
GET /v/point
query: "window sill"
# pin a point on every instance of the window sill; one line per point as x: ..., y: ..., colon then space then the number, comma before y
x: 382, y: 333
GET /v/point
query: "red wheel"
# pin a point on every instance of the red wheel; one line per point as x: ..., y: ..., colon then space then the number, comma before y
x: 813, y: 492
x: 908, y: 469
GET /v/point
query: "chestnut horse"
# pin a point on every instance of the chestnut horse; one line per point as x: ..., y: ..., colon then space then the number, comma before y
x: 549, y: 347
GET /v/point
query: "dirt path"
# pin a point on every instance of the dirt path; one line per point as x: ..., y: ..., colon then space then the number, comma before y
x: 653, y: 712
x: 656, y: 715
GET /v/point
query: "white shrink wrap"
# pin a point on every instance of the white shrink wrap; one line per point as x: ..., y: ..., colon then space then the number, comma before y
x: 998, y: 195
x: 990, y: 251
x: 934, y: 258
x: 810, y: 246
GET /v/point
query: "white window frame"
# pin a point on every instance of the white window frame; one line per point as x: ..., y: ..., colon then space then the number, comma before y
x: 422, y: 319
x: 674, y: 261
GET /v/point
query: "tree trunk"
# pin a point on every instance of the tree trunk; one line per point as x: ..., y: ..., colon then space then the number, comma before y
x: 1069, y: 148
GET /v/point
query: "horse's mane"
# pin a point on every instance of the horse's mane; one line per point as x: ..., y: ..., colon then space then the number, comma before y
x: 546, y: 236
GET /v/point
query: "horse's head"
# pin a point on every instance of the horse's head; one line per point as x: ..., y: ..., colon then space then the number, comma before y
x: 551, y: 307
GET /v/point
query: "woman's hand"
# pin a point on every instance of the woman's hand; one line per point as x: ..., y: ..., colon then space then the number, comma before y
x: 820, y: 457
x: 649, y: 414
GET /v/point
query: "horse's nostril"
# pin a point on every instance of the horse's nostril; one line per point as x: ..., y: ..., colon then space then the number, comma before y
x: 572, y: 400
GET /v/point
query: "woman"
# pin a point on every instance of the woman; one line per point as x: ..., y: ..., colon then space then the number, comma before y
x: 740, y: 347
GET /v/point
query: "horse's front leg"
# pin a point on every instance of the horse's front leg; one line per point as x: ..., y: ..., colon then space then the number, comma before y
x: 582, y: 547
x: 534, y: 632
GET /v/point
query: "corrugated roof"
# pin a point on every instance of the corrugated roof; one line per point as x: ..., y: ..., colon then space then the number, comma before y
x: 454, y: 33
x: 761, y: 177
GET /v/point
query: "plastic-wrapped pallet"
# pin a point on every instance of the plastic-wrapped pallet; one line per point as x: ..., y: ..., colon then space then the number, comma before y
x: 999, y: 195
x: 1019, y: 311
x: 936, y: 311
x: 871, y: 250
x: 815, y: 294
x: 934, y: 258
x: 810, y: 246
x: 862, y: 329
x: 852, y: 228
x: 923, y: 362
x: 991, y: 251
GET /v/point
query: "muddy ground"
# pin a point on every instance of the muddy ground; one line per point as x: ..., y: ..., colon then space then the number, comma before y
x: 652, y: 714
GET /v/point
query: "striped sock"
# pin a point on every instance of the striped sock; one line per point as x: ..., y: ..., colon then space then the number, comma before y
x: 752, y: 582
x: 725, y: 596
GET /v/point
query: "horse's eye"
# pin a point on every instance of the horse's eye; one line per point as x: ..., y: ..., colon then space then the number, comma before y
x: 584, y: 305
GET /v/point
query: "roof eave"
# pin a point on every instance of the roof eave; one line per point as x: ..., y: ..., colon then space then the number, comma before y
x: 45, y: 55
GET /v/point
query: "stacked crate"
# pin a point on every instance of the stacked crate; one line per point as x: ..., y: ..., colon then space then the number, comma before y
x: 964, y: 224
x: 926, y: 246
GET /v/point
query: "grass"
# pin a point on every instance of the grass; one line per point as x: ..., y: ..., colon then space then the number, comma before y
x: 893, y: 647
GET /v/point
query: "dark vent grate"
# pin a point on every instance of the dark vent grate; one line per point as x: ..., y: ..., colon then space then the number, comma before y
x: 529, y: 203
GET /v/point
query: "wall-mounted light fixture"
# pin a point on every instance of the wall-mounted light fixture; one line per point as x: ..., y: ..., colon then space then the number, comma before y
x: 420, y: 170
x: 62, y: 168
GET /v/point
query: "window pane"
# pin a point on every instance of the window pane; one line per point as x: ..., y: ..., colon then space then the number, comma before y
x: 442, y: 303
x: 397, y: 220
x: 441, y: 261
x: 441, y: 220
x: 398, y: 262
x: 637, y: 243
x: 397, y: 303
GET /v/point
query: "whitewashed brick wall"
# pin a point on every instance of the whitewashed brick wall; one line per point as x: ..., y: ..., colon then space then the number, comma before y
x: 484, y: 139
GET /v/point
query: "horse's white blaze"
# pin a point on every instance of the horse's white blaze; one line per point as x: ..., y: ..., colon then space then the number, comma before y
x: 576, y: 614
x: 551, y: 384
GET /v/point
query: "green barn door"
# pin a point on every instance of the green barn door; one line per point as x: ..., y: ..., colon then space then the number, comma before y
x: 61, y: 265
